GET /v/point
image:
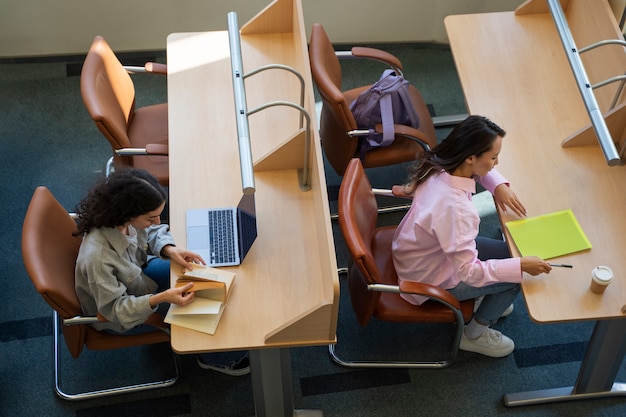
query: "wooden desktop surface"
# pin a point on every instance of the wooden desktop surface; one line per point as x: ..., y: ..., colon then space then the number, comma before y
x: 286, y: 290
x: 514, y: 71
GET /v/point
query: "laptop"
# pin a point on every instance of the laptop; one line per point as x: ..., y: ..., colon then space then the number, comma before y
x: 222, y: 236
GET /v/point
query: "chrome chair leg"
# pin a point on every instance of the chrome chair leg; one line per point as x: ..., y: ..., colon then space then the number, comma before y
x: 104, y: 392
x: 439, y: 364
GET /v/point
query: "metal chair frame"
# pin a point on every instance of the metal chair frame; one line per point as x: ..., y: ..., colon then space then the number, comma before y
x: 96, y: 393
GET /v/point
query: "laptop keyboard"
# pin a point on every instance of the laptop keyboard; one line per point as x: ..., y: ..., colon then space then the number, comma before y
x: 221, y: 236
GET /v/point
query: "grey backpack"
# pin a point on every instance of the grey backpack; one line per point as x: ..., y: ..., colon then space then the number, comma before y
x: 386, y: 102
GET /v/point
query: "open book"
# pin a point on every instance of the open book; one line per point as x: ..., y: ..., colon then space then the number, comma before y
x: 212, y: 288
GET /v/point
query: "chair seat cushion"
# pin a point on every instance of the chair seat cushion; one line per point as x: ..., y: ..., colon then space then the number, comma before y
x: 391, y: 306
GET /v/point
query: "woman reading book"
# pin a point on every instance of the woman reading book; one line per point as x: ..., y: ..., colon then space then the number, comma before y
x: 123, y: 265
x: 437, y: 241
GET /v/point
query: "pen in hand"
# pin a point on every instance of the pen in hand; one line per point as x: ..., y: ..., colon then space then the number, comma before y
x: 562, y: 265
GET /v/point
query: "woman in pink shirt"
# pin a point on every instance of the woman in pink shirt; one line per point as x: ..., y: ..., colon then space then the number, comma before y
x: 437, y: 241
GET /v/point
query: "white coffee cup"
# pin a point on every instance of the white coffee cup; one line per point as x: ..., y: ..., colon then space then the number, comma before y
x: 601, y: 277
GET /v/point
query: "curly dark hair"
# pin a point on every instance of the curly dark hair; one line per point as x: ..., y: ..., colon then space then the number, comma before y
x: 119, y: 198
x: 473, y: 136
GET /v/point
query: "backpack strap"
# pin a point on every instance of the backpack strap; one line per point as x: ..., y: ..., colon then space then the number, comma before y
x: 386, y: 116
x: 408, y: 107
x: 389, y: 81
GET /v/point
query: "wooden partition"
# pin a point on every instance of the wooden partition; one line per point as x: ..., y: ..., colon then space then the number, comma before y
x: 287, y: 290
x: 591, y: 22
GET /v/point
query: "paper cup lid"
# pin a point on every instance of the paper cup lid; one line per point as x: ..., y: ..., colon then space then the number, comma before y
x: 603, y: 273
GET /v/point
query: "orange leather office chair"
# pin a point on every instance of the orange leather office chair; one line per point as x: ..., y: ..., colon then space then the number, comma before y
x: 49, y: 251
x: 372, y: 280
x: 338, y: 128
x: 138, y: 137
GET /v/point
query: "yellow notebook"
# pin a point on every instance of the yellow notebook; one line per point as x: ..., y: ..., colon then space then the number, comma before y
x: 548, y: 235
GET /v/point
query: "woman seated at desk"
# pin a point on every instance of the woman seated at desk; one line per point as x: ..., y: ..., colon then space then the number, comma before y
x: 123, y: 265
x: 437, y: 241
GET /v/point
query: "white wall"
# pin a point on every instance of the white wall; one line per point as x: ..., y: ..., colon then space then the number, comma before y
x: 61, y: 27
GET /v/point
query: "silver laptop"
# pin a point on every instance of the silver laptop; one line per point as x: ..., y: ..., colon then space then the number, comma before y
x: 223, y: 236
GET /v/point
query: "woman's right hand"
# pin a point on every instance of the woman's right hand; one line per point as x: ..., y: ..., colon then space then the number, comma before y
x: 179, y: 295
x: 534, y: 266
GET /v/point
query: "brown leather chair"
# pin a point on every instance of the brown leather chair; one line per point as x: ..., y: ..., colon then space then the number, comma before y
x: 138, y: 137
x: 338, y: 128
x: 372, y: 280
x: 49, y: 252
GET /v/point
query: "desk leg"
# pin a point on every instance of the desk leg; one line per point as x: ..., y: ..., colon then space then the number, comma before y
x: 598, y: 370
x: 272, y: 386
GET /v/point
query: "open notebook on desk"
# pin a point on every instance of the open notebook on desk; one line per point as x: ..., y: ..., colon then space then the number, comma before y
x: 223, y: 236
x: 212, y: 289
x: 548, y: 235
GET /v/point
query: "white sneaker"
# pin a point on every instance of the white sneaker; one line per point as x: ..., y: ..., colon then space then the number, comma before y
x: 506, y: 312
x: 490, y: 343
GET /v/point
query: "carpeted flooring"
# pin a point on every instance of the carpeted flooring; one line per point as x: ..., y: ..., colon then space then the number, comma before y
x: 47, y: 138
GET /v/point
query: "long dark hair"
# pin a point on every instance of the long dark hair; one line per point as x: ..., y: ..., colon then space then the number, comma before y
x: 119, y: 198
x: 473, y: 136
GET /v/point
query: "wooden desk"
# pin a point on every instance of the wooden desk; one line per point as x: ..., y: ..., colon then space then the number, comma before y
x: 513, y: 70
x: 286, y: 292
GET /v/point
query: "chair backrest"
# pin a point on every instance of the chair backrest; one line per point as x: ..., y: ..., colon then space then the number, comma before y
x: 336, y: 117
x: 108, y: 93
x: 358, y: 214
x: 369, y: 246
x: 49, y: 251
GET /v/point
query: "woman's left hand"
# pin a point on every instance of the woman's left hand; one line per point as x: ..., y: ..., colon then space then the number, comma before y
x: 182, y: 256
x: 505, y: 197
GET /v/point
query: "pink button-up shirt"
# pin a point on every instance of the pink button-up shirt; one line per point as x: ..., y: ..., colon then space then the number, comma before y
x: 435, y: 241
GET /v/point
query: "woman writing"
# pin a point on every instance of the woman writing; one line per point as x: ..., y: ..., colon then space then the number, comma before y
x: 437, y: 241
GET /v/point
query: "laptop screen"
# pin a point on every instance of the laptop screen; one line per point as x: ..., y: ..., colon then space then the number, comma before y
x: 246, y: 217
x: 223, y: 236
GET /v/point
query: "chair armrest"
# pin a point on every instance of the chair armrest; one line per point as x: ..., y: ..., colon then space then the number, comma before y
x: 131, y: 151
x: 409, y: 133
x: 81, y: 320
x: 149, y: 67
x: 419, y: 288
x: 396, y: 191
x: 154, y: 320
x: 157, y: 149
x: 399, y: 191
x: 379, y: 55
x: 150, y: 149
x: 156, y: 68
x: 399, y: 130
x: 432, y: 292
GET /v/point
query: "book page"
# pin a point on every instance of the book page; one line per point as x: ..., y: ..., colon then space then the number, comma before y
x: 207, y: 273
x: 199, y: 321
x: 197, y: 306
x: 212, y: 287
x: 208, y: 282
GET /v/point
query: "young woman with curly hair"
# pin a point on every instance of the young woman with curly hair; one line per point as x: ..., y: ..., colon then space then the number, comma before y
x: 123, y: 265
